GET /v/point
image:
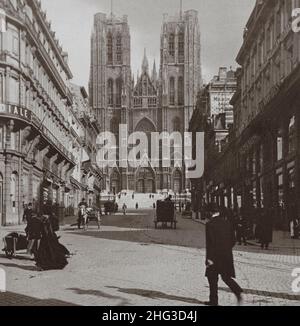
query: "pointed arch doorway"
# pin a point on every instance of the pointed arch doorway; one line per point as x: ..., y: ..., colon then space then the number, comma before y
x: 145, y: 181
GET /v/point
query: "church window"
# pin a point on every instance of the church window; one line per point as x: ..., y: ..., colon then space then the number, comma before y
x: 180, y: 91
x: 172, y: 91
x: 176, y: 125
x: 110, y: 92
x: 181, y: 47
x: 109, y: 49
x: 172, y: 46
x: 119, y: 92
x: 119, y: 49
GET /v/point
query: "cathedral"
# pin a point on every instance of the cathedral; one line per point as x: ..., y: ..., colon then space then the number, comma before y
x: 158, y: 101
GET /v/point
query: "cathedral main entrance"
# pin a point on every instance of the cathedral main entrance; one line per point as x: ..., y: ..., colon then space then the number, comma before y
x: 145, y: 181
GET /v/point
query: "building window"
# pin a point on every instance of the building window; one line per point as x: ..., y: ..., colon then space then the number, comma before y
x: 180, y: 91
x: 114, y: 126
x: 280, y: 145
x: 1, y: 89
x: 14, y: 191
x: 119, y: 53
x: 172, y: 91
x: 109, y: 49
x: 181, y: 47
x: 172, y: 46
x: 110, y: 92
x: 119, y: 92
x: 176, y: 125
x: 292, y: 134
x: 1, y: 138
x: 14, y: 91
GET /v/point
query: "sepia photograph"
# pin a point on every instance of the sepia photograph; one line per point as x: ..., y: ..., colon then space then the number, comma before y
x: 149, y: 155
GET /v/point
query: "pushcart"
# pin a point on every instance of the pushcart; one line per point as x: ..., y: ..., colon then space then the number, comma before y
x: 13, y: 243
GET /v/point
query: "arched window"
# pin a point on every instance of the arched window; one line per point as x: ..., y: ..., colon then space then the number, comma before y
x: 109, y: 49
x: 114, y: 126
x: 176, y: 125
x: 110, y: 92
x: 177, y: 182
x: 180, y: 91
x: 172, y: 91
x: 14, y: 190
x: 145, y: 86
x: 181, y: 47
x: 172, y: 46
x: 119, y: 85
x: 119, y: 53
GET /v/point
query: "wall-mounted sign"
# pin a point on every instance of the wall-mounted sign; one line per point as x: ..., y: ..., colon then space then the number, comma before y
x: 15, y: 110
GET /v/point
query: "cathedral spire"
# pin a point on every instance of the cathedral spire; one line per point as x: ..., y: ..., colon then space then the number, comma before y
x: 112, y: 8
x: 145, y: 65
x: 154, y: 73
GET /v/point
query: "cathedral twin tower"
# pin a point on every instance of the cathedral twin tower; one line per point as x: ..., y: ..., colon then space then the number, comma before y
x: 155, y: 103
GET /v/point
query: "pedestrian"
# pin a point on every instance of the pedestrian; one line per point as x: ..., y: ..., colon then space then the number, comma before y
x: 295, y: 226
x: 82, y: 214
x: 50, y: 255
x: 98, y: 216
x: 124, y: 209
x: 136, y: 206
x: 241, y: 230
x: 219, y: 256
x: 34, y: 234
x: 266, y: 229
x: 27, y: 216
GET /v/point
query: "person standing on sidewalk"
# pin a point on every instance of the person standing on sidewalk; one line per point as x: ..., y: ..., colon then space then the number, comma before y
x: 266, y: 229
x: 27, y: 216
x: 219, y: 256
x: 124, y: 209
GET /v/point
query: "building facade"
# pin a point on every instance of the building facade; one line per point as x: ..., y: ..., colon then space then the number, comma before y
x: 39, y: 131
x: 156, y: 102
x: 259, y: 164
x: 267, y: 112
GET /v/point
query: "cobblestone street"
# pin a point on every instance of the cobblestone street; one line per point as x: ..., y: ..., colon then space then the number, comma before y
x: 128, y: 262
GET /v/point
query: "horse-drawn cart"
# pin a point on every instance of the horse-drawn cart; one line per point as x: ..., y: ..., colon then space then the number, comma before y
x: 165, y: 214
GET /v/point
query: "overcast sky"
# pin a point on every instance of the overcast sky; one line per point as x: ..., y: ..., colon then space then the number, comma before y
x: 221, y: 23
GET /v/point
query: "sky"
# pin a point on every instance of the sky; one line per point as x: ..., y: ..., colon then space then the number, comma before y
x: 221, y: 24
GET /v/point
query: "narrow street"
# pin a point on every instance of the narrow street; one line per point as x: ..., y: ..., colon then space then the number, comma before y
x: 128, y: 262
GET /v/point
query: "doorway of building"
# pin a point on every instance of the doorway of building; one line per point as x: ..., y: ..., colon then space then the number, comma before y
x: 145, y: 183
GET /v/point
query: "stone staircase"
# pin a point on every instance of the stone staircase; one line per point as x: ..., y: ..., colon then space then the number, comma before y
x: 143, y: 200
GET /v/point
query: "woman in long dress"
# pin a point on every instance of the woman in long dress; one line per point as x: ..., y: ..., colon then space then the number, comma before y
x: 50, y: 254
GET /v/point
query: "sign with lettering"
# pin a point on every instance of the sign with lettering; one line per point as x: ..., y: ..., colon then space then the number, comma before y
x: 16, y: 110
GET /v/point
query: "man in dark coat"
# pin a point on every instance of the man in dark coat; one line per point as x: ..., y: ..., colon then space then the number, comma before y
x: 266, y: 228
x: 27, y: 217
x: 219, y: 257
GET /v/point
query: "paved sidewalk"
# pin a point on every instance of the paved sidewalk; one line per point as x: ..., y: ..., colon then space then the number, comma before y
x: 281, y: 239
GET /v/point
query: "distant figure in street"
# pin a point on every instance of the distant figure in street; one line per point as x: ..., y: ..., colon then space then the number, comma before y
x: 169, y: 198
x: 241, y: 230
x: 219, y: 256
x: 82, y: 214
x: 124, y: 209
x: 266, y: 229
x: 98, y: 215
x: 136, y: 206
x: 34, y: 234
x: 27, y: 216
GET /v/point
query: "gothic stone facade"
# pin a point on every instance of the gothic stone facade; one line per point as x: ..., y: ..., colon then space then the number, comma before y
x: 157, y: 102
